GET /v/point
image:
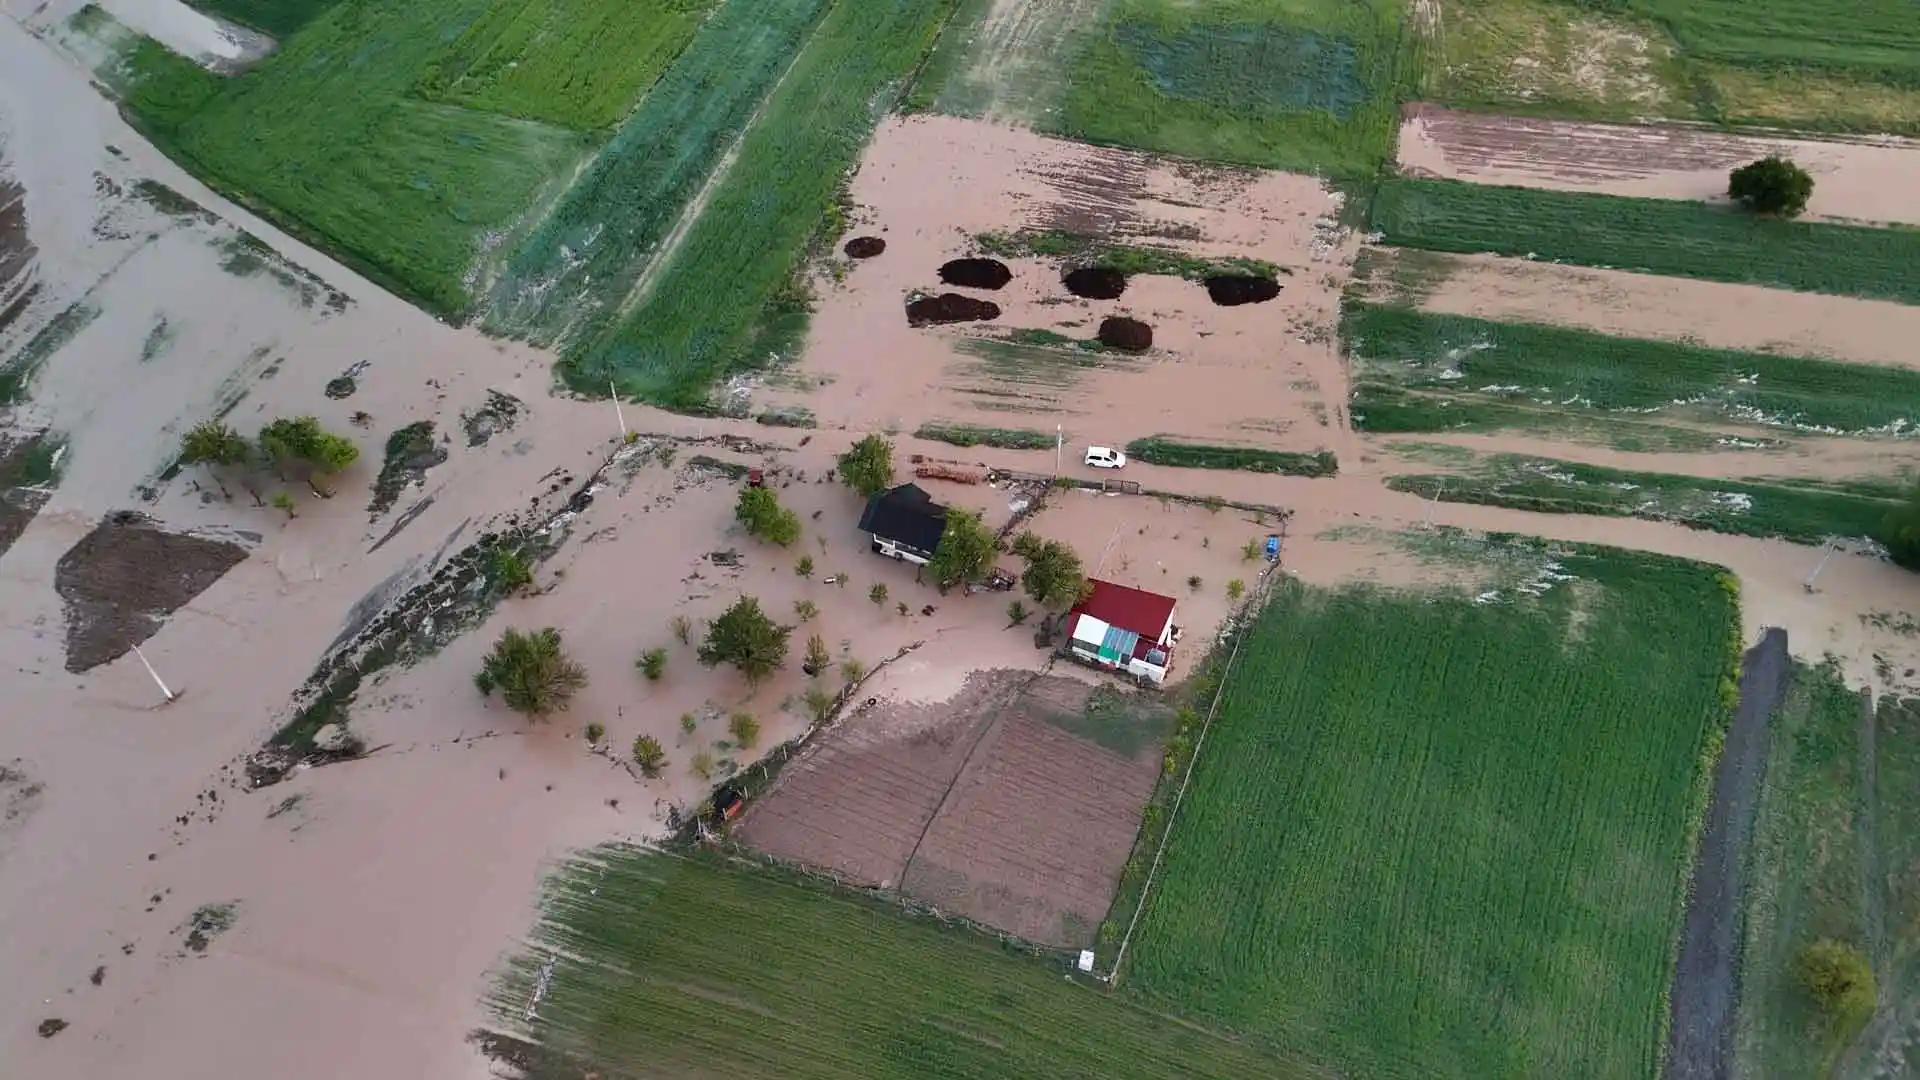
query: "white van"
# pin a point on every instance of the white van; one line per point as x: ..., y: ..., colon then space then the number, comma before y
x: 1105, y: 457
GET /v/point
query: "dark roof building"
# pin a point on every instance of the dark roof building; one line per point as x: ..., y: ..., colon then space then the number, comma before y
x: 905, y: 523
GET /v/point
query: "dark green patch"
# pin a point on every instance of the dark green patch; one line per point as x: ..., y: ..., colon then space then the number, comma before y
x: 1245, y: 66
x: 1124, y: 723
x: 973, y: 435
x: 1162, y: 451
x: 1079, y: 249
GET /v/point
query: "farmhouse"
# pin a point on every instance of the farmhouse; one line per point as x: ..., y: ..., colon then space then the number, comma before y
x: 905, y: 523
x: 1124, y: 629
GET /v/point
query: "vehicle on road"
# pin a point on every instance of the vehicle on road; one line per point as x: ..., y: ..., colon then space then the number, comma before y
x: 1105, y: 457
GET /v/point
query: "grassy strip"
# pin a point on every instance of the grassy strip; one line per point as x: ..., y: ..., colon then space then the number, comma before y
x: 672, y: 966
x: 1082, y: 250
x: 971, y: 435
x: 1806, y: 863
x: 326, y: 139
x: 1650, y: 236
x: 574, y: 63
x: 574, y: 270
x: 1271, y: 83
x: 1384, y: 856
x: 1397, y: 350
x: 741, y: 257
x: 1741, y: 507
x: 279, y: 18
x: 1161, y: 451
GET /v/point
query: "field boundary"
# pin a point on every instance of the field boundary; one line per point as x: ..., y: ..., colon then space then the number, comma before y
x: 1248, y: 613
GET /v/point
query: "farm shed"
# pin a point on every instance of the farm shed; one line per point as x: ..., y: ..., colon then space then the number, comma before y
x: 905, y: 523
x: 1124, y: 629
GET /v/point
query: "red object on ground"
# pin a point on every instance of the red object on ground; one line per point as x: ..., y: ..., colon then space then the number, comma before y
x: 755, y: 478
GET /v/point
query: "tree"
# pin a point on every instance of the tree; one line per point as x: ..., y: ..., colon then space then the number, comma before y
x: 1053, y: 576
x: 819, y: 702
x: 867, y: 467
x: 760, y: 511
x: 744, y: 729
x: 648, y: 754
x: 216, y: 446
x: 817, y: 656
x: 744, y: 637
x: 1837, y: 976
x: 966, y: 550
x: 533, y: 675
x: 1903, y: 531
x: 303, y: 440
x: 1772, y: 186
x: 878, y: 594
x: 652, y: 664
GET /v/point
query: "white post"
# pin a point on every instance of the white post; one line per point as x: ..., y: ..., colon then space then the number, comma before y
x: 617, y: 414
x: 1059, y: 446
x: 1426, y: 521
x: 164, y: 692
x: 1822, y: 565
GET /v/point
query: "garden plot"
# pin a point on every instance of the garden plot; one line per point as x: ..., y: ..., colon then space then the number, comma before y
x: 1014, y: 803
x: 937, y: 189
x: 1858, y: 181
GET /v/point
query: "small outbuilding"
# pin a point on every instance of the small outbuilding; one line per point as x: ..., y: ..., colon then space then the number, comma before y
x: 905, y: 523
x: 1124, y: 629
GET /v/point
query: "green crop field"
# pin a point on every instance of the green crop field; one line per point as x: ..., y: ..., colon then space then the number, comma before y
x: 976, y: 435
x: 1807, y: 871
x: 572, y: 272
x: 1778, y: 509
x: 708, y: 311
x: 326, y: 138
x: 1439, y: 837
x: 1081, y: 250
x: 671, y: 967
x: 1276, y: 83
x: 1420, y: 371
x: 575, y: 63
x: 1161, y: 450
x: 280, y: 18
x: 1651, y: 236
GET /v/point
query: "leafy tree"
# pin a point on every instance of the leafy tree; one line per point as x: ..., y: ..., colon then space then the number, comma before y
x: 966, y: 550
x: 596, y: 732
x: 852, y: 670
x: 283, y: 502
x: 744, y: 637
x: 1837, y: 976
x: 652, y: 664
x: 819, y: 702
x: 511, y: 570
x: 878, y: 594
x: 1772, y: 185
x: 760, y: 511
x: 805, y: 610
x: 744, y: 729
x: 1902, y: 531
x: 804, y: 567
x: 1053, y: 576
x: 303, y: 440
x: 1236, y: 589
x: 867, y: 467
x: 1016, y: 613
x: 218, y: 447
x: 817, y: 655
x: 533, y: 675
x: 648, y: 754
x: 702, y: 765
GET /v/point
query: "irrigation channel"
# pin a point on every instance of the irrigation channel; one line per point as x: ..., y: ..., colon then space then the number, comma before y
x: 1706, y: 978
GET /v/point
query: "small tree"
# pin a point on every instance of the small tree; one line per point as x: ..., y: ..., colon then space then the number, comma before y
x: 649, y: 755
x: 681, y: 626
x: 817, y: 655
x: 744, y: 637
x: 283, y: 502
x: 759, y: 510
x: 1902, y: 531
x: 867, y: 467
x: 1774, y: 186
x: 652, y: 664
x: 878, y: 594
x: 744, y: 729
x: 689, y: 723
x: 302, y: 440
x: 966, y: 550
x: 1054, y: 576
x: 595, y: 732
x: 805, y: 610
x: 1236, y: 589
x: 819, y: 702
x: 1837, y: 976
x: 533, y: 675
x: 804, y: 567
x: 1016, y: 613
x: 216, y: 446
x: 852, y: 670
x: 702, y: 765
x: 511, y: 570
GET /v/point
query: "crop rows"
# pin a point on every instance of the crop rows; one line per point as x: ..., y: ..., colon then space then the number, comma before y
x: 975, y: 435
x: 1081, y: 250
x: 1433, y: 837
x: 1311, y: 88
x: 734, y: 275
x: 1401, y: 355
x: 326, y: 138
x: 570, y: 274
x: 1878, y: 40
x: 574, y: 63
x: 1782, y: 510
x: 1651, y: 236
x: 1161, y: 451
x: 278, y: 18
x: 671, y: 967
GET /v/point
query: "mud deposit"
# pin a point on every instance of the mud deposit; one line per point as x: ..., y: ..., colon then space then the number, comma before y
x: 1231, y: 290
x: 1706, y: 977
x: 124, y: 578
x: 1095, y: 283
x: 411, y: 451
x: 864, y: 247
x: 16, y: 251
x: 950, y: 308
x: 20, y: 497
x: 975, y: 273
x: 1131, y: 335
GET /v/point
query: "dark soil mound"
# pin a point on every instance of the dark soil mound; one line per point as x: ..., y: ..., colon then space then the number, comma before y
x: 125, y: 577
x: 342, y: 387
x: 1131, y: 335
x: 1095, y: 282
x: 1232, y: 290
x: 975, y: 273
x: 950, y: 308
x: 864, y: 247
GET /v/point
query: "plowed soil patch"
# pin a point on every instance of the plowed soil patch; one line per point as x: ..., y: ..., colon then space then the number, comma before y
x: 1232, y: 290
x: 1120, y: 332
x: 976, y: 273
x: 125, y: 577
x: 864, y: 247
x: 950, y: 308
x: 1095, y: 282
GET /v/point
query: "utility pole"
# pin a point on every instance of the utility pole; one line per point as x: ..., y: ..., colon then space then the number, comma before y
x: 164, y: 692
x: 1426, y: 521
x: 1059, y: 446
x: 617, y: 414
x: 1822, y: 565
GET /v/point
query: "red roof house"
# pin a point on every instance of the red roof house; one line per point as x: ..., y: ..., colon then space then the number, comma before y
x: 1124, y: 629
